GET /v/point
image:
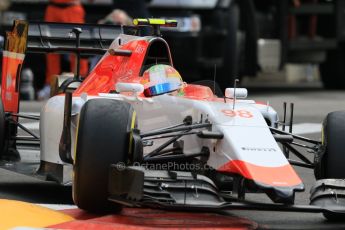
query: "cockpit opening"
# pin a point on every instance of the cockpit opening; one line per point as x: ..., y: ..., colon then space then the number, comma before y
x: 157, y: 53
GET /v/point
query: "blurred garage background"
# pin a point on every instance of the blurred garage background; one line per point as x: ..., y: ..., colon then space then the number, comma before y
x: 260, y: 42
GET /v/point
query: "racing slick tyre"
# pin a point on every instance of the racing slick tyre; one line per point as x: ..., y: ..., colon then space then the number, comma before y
x: 331, y: 160
x: 102, y: 140
x: 331, y: 164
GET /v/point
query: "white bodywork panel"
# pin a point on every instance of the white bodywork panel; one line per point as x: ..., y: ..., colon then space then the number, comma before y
x: 245, y: 138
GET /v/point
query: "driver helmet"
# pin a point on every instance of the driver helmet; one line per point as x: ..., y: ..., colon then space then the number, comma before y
x: 160, y: 79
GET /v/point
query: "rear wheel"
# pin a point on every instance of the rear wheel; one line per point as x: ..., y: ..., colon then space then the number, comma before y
x: 102, y: 140
x: 8, y: 150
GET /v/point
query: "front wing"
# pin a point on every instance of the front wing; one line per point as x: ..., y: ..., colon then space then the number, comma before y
x: 136, y: 186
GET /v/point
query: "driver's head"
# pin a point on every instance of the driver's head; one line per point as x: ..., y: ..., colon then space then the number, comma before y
x: 161, y: 79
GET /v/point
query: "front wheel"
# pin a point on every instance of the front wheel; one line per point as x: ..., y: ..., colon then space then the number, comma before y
x: 331, y: 160
x: 102, y: 140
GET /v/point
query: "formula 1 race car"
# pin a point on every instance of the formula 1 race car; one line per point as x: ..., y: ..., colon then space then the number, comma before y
x: 132, y: 133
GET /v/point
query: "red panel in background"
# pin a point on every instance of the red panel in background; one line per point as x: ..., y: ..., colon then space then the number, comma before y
x: 140, y: 218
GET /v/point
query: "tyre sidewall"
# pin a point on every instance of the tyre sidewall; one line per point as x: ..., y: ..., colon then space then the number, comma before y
x: 333, y: 159
x: 102, y: 140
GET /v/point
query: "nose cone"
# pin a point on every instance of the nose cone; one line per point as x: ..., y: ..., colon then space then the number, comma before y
x: 280, y: 194
x: 280, y: 183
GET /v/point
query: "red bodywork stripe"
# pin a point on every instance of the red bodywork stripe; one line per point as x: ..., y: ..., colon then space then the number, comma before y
x: 261, y: 103
x: 282, y: 176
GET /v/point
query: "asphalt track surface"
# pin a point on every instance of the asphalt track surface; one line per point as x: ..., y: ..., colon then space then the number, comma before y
x: 311, y: 106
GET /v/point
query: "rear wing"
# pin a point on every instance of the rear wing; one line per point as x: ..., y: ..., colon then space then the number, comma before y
x: 45, y: 37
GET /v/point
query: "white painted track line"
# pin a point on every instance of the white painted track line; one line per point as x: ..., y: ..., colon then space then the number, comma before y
x: 58, y: 206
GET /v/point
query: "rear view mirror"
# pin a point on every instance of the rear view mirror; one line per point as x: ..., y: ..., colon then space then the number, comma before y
x: 129, y: 88
x: 238, y: 93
